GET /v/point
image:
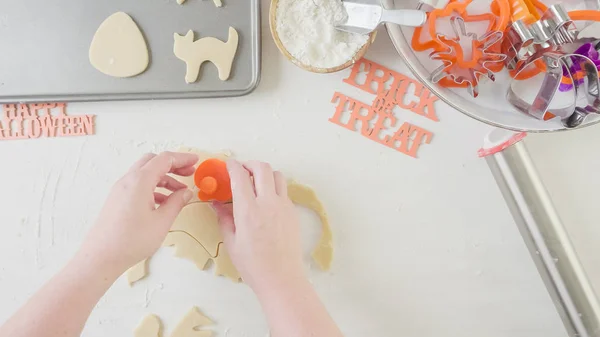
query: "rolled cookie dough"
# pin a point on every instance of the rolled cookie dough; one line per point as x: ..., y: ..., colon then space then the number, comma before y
x: 305, y: 196
x: 195, y: 233
x: 118, y: 48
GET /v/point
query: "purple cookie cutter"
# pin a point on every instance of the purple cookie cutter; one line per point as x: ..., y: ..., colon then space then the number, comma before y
x: 588, y: 50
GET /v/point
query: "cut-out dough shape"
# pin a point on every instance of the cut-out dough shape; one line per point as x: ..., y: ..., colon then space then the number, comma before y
x: 137, y: 272
x: 306, y: 197
x: 191, y: 324
x: 218, y: 3
x: 187, y: 246
x: 151, y: 326
x: 195, y: 233
x: 194, y: 53
x: 119, y: 48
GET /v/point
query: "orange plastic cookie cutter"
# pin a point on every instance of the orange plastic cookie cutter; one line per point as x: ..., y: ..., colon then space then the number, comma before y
x: 467, y: 71
x: 502, y: 11
x: 497, y: 22
x: 452, y: 9
x: 585, y: 15
x: 521, y: 10
x: 530, y: 8
x: 212, y: 179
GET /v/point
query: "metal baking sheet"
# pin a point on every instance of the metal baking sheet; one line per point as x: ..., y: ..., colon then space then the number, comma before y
x: 45, y: 44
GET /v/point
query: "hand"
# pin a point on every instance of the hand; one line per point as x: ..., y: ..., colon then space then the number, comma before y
x: 261, y: 229
x: 131, y: 227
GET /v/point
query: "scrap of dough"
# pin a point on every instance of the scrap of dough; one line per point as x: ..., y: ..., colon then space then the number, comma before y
x: 118, y: 48
x: 137, y: 272
x: 149, y: 327
x: 194, y: 53
x: 188, y: 327
x: 218, y: 3
x: 305, y: 196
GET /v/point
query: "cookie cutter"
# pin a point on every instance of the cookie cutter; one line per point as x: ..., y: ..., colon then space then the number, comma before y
x: 539, y: 108
x: 452, y: 9
x: 523, y: 10
x: 554, y: 29
x: 498, y: 21
x: 459, y: 69
x: 589, y: 50
x: 587, y: 91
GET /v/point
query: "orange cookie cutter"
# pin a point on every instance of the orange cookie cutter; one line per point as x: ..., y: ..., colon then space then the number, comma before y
x: 212, y: 179
x: 497, y: 22
x: 454, y: 8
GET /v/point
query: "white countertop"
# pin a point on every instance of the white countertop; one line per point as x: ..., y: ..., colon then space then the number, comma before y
x: 423, y: 247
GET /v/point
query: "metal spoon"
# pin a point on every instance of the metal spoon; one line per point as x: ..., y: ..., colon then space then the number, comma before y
x: 366, y: 16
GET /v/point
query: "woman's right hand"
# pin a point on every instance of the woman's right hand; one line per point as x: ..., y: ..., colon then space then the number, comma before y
x: 261, y: 229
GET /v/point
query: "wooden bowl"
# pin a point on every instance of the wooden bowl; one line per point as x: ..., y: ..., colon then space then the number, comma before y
x: 273, y: 24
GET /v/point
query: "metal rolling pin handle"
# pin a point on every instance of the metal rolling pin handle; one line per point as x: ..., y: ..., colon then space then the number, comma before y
x: 544, y: 234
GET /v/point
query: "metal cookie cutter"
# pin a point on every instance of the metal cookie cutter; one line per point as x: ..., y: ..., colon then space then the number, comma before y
x: 553, y: 29
x: 587, y: 91
x: 586, y: 98
x: 589, y: 50
x: 456, y: 67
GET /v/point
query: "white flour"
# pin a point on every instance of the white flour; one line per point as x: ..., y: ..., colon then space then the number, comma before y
x: 305, y: 28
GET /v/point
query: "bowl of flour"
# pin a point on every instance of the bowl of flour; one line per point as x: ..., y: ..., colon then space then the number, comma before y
x: 304, y: 32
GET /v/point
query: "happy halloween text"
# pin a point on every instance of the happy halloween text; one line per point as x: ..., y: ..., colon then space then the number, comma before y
x: 24, y: 121
x: 392, y: 89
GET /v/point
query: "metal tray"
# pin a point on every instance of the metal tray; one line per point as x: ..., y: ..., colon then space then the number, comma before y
x: 45, y: 44
x: 490, y: 107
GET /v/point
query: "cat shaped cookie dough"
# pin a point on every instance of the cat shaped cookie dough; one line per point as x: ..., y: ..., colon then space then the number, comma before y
x: 195, y: 53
